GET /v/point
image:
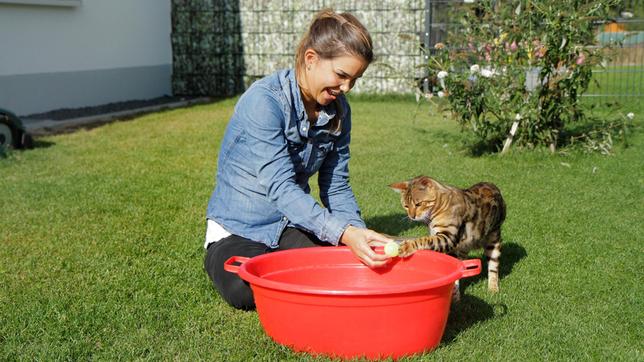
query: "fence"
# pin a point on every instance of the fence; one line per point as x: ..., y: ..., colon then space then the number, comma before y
x: 622, y: 75
x: 221, y: 46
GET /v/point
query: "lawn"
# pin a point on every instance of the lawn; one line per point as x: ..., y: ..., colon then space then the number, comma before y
x: 101, y: 242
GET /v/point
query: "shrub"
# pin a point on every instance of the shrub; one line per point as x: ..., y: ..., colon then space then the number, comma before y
x: 516, y: 70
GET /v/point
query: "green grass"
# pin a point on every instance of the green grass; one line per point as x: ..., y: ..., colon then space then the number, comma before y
x: 101, y: 242
x: 620, y: 82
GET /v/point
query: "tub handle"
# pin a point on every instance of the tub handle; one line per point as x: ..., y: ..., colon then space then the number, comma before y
x: 472, y: 267
x: 228, y: 264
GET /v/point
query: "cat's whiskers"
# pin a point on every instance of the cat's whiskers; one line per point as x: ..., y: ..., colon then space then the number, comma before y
x: 407, y: 219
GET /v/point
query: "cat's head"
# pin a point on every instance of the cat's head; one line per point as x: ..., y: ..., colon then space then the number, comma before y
x: 418, y: 196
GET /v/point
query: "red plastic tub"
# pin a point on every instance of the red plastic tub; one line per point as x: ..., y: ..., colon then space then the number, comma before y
x: 325, y: 301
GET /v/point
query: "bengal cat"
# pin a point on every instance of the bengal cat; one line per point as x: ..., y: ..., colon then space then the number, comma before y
x: 459, y: 220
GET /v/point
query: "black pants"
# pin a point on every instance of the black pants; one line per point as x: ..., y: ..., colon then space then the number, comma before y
x: 230, y: 286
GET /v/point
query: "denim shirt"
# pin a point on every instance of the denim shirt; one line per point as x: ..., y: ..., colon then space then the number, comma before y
x: 269, y: 152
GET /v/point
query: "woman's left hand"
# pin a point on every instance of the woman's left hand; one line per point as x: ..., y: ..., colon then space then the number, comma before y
x: 360, y: 242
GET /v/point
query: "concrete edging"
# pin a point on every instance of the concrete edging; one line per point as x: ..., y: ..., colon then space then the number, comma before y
x: 40, y: 127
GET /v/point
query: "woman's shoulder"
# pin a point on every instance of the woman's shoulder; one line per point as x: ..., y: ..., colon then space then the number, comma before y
x: 264, y: 99
x: 273, y: 81
x: 267, y: 88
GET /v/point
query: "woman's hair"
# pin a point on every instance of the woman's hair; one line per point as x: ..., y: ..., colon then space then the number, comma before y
x: 333, y: 35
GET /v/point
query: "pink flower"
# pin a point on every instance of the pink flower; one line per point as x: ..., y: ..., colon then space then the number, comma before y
x: 540, y: 52
x: 513, y: 46
x: 581, y: 59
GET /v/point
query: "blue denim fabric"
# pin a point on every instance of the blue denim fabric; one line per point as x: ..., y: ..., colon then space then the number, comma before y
x: 269, y: 152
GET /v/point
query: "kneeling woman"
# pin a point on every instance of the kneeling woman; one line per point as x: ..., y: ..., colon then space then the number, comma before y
x: 285, y: 128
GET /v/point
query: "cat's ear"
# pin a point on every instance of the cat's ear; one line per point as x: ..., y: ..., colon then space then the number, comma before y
x: 422, y: 182
x: 400, y: 186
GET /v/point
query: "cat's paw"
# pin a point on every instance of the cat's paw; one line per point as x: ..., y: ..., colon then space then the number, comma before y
x: 405, y: 249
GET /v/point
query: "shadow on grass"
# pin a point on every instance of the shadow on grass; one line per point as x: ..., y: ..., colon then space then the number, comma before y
x: 511, y: 253
x: 464, y: 143
x: 8, y: 152
x: 42, y: 144
x: 468, y: 312
x: 472, y: 310
x: 392, y: 224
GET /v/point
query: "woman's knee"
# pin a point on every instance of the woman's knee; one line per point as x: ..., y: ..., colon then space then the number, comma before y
x: 230, y: 286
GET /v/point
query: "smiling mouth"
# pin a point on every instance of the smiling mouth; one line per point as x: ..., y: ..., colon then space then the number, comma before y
x: 333, y: 93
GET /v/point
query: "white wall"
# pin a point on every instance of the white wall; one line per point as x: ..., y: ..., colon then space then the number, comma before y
x: 76, y: 47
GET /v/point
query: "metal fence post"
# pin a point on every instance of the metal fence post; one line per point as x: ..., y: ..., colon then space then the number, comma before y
x: 426, y: 42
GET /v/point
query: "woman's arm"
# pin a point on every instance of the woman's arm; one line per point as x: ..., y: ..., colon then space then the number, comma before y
x: 337, y: 196
x: 333, y: 178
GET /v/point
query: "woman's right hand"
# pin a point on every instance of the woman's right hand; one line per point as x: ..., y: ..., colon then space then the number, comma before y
x: 360, y: 242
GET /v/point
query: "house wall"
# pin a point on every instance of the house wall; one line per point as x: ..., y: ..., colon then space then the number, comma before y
x: 94, y: 53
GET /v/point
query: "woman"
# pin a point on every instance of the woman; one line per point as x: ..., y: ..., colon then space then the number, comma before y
x: 285, y: 128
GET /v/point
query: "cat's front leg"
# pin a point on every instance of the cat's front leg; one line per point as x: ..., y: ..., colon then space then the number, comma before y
x: 409, y: 246
x: 406, y: 249
x: 441, y: 242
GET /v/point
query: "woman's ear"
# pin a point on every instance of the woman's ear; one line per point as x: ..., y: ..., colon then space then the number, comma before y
x: 310, y: 57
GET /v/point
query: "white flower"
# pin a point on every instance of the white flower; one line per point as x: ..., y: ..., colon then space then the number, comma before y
x: 630, y: 115
x: 487, y: 73
x: 518, y: 117
x: 442, y: 74
x: 474, y: 69
x: 441, y: 94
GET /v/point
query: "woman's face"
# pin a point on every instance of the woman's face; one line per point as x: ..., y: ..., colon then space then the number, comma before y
x: 327, y: 78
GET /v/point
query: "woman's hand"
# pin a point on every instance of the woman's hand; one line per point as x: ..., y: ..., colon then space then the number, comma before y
x: 360, y: 241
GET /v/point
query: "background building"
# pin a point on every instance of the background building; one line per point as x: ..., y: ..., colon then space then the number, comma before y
x: 77, y: 53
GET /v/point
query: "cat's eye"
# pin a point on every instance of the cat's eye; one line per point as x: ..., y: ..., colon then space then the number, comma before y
x: 419, y: 203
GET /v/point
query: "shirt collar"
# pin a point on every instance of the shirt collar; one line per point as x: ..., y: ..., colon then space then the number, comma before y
x: 296, y: 95
x: 325, y: 115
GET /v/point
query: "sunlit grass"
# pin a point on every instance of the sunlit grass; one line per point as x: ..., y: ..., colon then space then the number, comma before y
x: 101, y: 242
